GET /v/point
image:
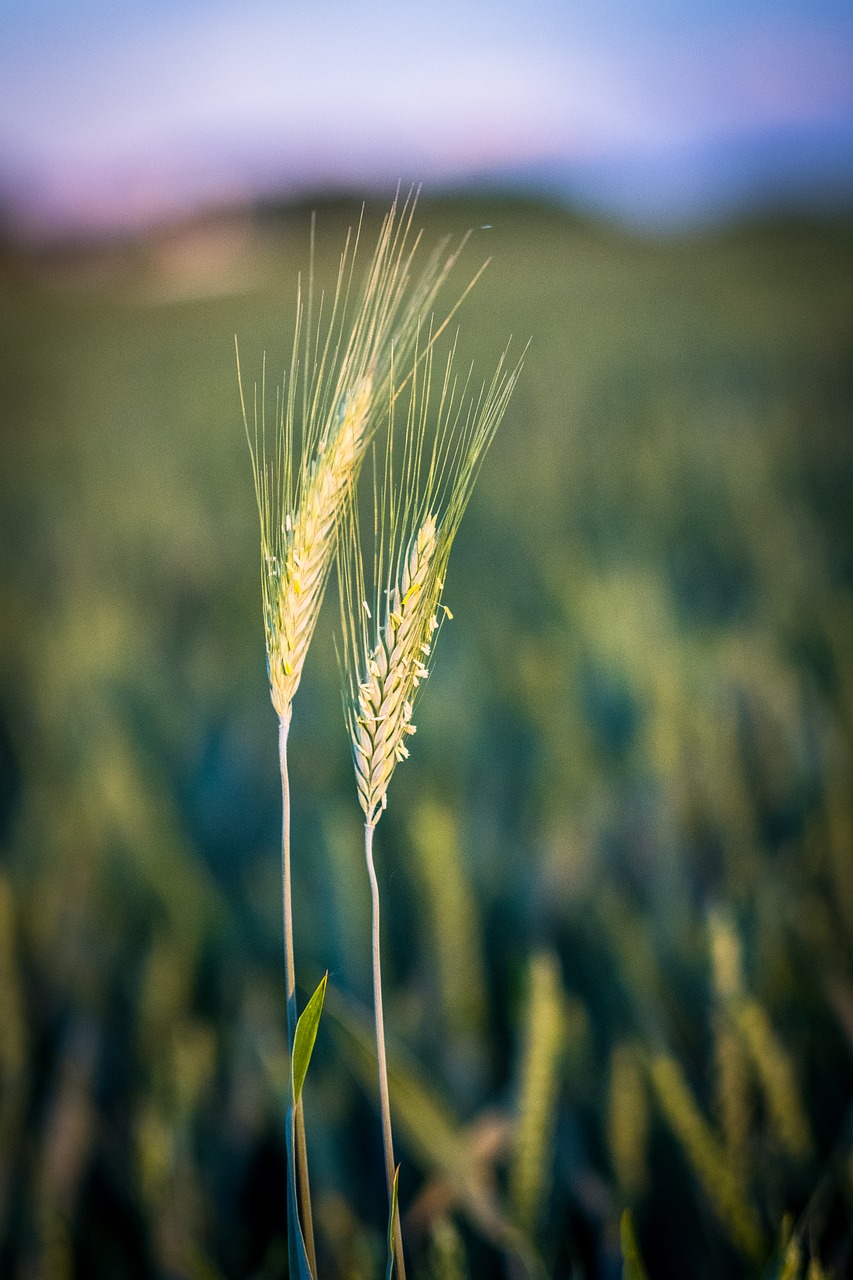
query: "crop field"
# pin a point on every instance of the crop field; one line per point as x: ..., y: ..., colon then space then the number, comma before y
x: 617, y: 877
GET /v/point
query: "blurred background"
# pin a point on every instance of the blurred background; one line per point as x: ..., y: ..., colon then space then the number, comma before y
x: 618, y: 869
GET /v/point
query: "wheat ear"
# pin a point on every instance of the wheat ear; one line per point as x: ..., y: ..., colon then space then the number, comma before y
x: 705, y: 1154
x: 418, y: 505
x: 297, y: 578
x: 543, y: 1048
x: 393, y: 670
x: 341, y: 374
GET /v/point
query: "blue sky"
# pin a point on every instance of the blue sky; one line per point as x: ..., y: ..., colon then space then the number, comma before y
x: 117, y: 113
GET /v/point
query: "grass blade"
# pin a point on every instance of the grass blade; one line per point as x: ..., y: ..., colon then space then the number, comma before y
x: 303, y: 1047
x: 306, y: 1034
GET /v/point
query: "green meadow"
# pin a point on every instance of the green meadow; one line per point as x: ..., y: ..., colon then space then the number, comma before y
x: 618, y: 881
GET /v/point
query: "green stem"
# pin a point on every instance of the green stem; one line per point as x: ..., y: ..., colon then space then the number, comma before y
x: 290, y: 984
x: 384, y: 1099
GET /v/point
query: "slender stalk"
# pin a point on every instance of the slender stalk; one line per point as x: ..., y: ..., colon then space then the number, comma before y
x: 287, y: 901
x: 290, y: 984
x: 384, y: 1100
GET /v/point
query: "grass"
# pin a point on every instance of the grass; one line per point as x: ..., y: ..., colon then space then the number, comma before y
x: 644, y: 711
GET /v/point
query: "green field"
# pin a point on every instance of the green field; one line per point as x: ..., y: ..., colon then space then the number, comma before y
x: 618, y: 882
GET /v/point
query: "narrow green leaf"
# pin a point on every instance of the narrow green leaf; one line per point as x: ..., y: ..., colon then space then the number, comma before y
x: 392, y: 1221
x: 306, y: 1034
x: 297, y: 1255
x: 633, y: 1267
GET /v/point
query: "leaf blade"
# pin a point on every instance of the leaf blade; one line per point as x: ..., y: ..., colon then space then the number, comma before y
x: 306, y: 1035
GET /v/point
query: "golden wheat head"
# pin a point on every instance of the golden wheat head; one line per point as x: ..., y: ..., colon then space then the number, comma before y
x: 337, y: 389
x: 418, y: 504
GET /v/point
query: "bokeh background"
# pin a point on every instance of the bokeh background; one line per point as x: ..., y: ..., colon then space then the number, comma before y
x: 618, y: 868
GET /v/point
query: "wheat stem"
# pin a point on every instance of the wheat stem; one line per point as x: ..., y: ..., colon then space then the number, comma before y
x: 384, y: 1099
x: 287, y: 900
x: 290, y: 985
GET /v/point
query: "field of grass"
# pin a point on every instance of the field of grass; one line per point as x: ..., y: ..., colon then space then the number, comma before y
x: 619, y: 923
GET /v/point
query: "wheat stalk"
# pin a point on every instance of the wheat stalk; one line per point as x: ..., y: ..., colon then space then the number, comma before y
x: 387, y: 650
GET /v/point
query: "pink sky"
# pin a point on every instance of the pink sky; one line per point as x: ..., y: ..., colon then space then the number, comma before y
x: 113, y: 115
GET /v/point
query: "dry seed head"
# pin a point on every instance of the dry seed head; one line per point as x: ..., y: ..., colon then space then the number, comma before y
x: 420, y: 496
x: 337, y: 390
x: 381, y: 718
x: 294, y: 583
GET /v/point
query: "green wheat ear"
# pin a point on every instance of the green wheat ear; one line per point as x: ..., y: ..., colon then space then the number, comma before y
x: 750, y: 1024
x: 389, y: 628
x: 705, y: 1154
x: 543, y: 1050
x: 628, y: 1121
x: 453, y: 931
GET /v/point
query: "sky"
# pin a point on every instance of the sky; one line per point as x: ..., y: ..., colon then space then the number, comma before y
x: 117, y: 114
